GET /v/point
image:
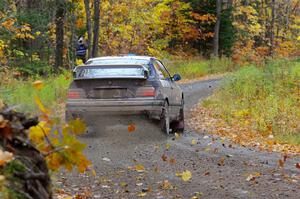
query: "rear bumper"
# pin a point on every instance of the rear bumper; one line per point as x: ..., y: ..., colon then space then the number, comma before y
x: 80, y: 107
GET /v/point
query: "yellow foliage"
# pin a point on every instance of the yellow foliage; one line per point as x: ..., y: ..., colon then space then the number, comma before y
x: 41, y: 106
x: 58, y: 141
x: 80, y: 23
x: 77, y: 126
x: 37, y: 133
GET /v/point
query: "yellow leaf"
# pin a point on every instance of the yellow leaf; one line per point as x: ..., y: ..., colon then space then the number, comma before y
x: 37, y: 133
x: 94, y: 172
x: 168, y: 146
x: 79, y: 62
x: 177, y: 135
x: 142, y: 194
x: 38, y: 85
x: 186, y: 175
x: 54, y: 161
x: 139, y: 168
x: 77, y: 126
x: 40, y: 105
x: 194, y: 142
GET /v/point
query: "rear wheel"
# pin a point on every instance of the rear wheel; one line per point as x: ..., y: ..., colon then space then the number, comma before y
x: 178, y: 125
x: 165, y: 119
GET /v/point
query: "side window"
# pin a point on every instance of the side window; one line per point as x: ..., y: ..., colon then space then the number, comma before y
x: 160, y: 69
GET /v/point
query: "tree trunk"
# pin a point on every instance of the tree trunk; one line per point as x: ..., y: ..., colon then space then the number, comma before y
x: 88, y: 26
x: 96, y: 28
x: 272, y: 35
x: 59, y: 22
x: 217, y: 27
x: 33, y: 180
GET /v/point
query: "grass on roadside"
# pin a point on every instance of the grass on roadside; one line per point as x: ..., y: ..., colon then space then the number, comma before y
x: 265, y: 99
x: 197, y: 68
x: 21, y: 92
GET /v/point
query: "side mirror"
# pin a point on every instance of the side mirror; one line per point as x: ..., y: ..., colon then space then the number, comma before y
x: 176, y: 77
x: 74, y: 72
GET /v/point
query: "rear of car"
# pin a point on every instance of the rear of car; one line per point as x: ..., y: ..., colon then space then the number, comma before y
x: 113, y: 88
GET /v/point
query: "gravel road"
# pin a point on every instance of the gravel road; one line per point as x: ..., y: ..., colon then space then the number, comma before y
x: 219, y: 169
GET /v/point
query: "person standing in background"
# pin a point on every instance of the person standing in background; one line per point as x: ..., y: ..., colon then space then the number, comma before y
x: 81, y: 48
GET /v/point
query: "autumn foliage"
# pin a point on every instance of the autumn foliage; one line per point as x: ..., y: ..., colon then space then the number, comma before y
x: 53, y: 144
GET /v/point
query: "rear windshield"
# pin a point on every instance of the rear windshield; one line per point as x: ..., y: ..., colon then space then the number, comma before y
x: 118, y: 61
x: 112, y: 71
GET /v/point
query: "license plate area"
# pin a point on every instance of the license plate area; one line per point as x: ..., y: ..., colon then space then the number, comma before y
x: 110, y: 93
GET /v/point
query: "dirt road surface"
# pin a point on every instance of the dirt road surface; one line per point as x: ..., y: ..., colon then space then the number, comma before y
x: 146, y: 163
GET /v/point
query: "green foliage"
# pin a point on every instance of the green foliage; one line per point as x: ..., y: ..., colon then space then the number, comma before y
x: 227, y: 32
x: 36, y: 68
x: 268, y: 98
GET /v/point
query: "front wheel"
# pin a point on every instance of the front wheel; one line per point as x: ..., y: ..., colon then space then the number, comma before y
x: 165, y: 119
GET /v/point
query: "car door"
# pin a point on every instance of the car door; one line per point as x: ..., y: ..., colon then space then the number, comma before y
x: 169, y: 88
x: 176, y: 92
x: 163, y: 79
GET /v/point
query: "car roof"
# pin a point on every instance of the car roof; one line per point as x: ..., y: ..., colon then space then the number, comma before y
x: 148, y: 58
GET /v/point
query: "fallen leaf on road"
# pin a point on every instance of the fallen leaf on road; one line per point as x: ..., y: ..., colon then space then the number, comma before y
x: 177, y: 135
x: 253, y: 176
x: 207, y: 173
x: 186, y: 175
x: 207, y: 149
x: 297, y: 165
x: 168, y: 146
x: 172, y: 161
x: 194, y: 142
x: 123, y: 184
x: 131, y: 128
x: 221, y: 162
x: 164, y: 157
x: 94, y: 172
x: 166, y: 185
x: 281, y: 163
x: 142, y: 194
x: 139, y: 168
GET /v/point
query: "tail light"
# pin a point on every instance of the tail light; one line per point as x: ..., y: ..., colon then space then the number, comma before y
x: 145, y: 92
x: 75, y: 94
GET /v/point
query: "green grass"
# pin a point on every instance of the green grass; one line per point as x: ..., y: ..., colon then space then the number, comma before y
x: 267, y: 97
x: 197, y: 68
x: 21, y: 92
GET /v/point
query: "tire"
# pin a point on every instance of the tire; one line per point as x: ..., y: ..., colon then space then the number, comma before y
x: 165, y: 119
x: 178, y: 125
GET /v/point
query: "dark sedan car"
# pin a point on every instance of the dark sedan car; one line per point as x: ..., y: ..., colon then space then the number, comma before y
x: 130, y: 85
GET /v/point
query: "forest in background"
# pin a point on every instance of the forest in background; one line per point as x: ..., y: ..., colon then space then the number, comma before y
x: 39, y: 36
